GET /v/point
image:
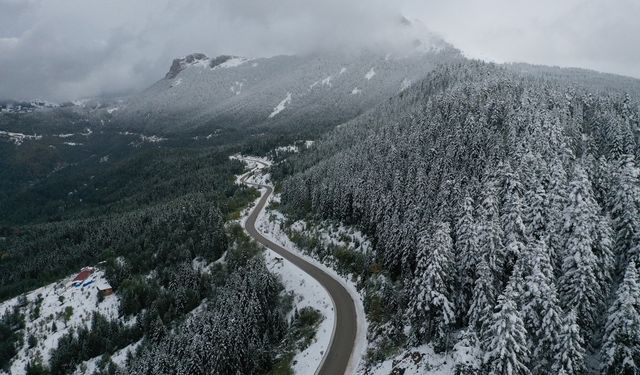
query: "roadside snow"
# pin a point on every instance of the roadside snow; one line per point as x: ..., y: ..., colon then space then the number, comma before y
x: 281, y: 106
x: 270, y: 226
x: 415, y: 361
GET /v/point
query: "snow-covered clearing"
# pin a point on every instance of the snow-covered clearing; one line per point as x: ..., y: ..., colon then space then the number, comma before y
x: 270, y: 225
x: 281, y: 106
x: 61, y: 306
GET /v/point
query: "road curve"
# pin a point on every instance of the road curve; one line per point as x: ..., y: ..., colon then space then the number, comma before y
x: 336, y: 360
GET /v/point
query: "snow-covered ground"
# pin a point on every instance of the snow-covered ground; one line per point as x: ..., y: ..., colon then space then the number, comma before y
x: 18, y: 138
x: 118, y: 358
x: 57, y: 302
x: 304, y: 286
x: 281, y: 106
x: 415, y: 361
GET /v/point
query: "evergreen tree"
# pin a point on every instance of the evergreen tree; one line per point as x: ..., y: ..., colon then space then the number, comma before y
x: 506, y: 346
x: 579, y: 287
x: 621, y: 347
x: 431, y: 306
x: 569, y: 353
x: 466, y: 247
x: 626, y: 209
x: 479, y: 315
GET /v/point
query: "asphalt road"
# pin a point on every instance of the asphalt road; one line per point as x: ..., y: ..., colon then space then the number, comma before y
x: 342, y: 344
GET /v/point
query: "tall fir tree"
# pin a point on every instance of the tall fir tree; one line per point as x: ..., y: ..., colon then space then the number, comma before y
x: 569, y: 353
x: 466, y: 247
x: 431, y: 307
x: 506, y: 349
x: 621, y: 346
x: 579, y: 288
x: 626, y: 209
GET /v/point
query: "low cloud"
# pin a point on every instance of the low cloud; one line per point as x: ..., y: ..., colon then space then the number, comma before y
x: 67, y: 49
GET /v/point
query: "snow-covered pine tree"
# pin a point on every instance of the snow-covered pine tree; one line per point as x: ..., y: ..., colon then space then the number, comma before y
x: 466, y: 252
x: 569, y: 353
x: 541, y: 314
x: 484, y: 295
x: 512, y: 223
x: 431, y: 308
x: 621, y: 346
x: 506, y: 349
x: 555, y: 204
x: 579, y: 287
x: 626, y: 209
x: 534, y: 212
x: 490, y: 233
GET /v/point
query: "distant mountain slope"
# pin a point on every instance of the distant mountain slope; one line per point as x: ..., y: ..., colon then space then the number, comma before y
x: 283, y: 91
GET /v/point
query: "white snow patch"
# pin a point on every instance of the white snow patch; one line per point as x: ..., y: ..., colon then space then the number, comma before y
x: 342, y: 70
x: 326, y: 81
x: 415, y: 361
x: 281, y: 106
x: 73, y: 143
x: 236, y: 88
x: 19, y: 138
x: 111, y: 110
x: 406, y: 83
x: 356, y: 91
x: 176, y: 82
x: 370, y: 74
x: 151, y: 138
x: 232, y: 63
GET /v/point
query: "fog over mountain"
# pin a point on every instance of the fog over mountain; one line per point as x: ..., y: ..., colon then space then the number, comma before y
x: 61, y: 51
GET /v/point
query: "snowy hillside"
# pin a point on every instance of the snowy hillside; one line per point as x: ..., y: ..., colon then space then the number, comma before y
x: 321, y: 89
x: 53, y: 311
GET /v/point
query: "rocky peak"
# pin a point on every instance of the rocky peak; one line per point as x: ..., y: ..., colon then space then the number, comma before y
x: 179, y: 65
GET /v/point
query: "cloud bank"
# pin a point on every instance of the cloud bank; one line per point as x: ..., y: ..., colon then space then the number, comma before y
x: 67, y: 49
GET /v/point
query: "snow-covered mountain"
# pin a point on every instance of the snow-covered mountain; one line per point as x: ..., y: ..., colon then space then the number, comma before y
x: 289, y: 90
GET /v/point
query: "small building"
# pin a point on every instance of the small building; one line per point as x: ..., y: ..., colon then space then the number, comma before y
x: 104, y: 288
x: 83, y: 278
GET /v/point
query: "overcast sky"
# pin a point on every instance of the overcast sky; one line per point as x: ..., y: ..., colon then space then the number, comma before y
x: 66, y: 49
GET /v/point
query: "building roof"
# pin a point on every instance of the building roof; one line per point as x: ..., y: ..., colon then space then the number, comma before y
x: 84, y: 274
x: 103, y: 285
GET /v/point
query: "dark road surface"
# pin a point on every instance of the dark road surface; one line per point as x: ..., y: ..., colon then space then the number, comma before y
x: 336, y: 362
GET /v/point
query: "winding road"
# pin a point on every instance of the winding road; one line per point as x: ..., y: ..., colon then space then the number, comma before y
x: 337, y: 360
